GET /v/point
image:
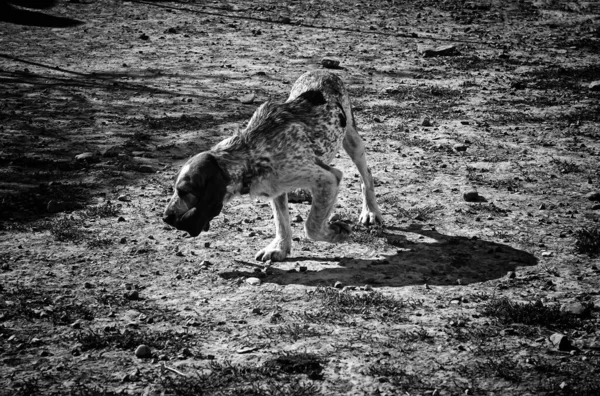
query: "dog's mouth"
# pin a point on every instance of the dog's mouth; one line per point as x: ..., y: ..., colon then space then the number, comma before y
x: 193, y: 222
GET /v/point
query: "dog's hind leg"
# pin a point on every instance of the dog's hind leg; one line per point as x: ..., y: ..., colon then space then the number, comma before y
x: 354, y: 146
x: 280, y: 247
x: 324, y: 187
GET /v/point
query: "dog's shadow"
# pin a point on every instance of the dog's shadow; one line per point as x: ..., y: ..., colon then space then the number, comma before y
x: 421, y: 257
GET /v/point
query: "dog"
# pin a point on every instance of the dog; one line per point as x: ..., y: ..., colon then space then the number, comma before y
x: 285, y: 146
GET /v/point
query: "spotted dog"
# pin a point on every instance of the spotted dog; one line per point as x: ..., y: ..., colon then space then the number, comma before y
x: 285, y: 146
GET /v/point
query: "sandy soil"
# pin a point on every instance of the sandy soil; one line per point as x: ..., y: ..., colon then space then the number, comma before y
x: 103, y: 103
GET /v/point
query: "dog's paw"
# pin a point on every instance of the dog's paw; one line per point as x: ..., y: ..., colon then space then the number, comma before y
x: 275, y: 251
x: 370, y: 217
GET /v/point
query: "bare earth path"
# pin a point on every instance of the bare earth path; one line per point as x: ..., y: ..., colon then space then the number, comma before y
x: 498, y: 294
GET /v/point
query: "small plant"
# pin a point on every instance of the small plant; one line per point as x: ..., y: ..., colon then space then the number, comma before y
x: 275, y: 378
x: 421, y: 213
x: 67, y: 229
x: 587, y: 241
x: 338, y: 305
x: 395, y: 374
x: 107, y: 209
x: 565, y: 166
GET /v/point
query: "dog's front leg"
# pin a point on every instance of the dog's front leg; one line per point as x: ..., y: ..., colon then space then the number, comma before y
x: 325, y: 185
x: 280, y: 247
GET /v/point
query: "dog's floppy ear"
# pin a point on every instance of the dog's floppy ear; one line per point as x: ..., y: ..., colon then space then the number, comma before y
x: 210, y: 185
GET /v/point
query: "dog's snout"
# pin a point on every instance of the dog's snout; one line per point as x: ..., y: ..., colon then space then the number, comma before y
x: 169, y: 218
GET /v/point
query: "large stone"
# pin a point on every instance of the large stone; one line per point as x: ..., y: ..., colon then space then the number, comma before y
x: 143, y: 352
x: 575, y: 308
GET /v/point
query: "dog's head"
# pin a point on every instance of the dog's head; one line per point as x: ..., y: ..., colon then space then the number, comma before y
x: 199, y: 192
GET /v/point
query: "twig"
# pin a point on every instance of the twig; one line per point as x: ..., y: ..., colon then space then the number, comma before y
x: 174, y: 370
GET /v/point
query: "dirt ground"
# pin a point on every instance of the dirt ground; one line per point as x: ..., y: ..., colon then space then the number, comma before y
x: 493, y: 293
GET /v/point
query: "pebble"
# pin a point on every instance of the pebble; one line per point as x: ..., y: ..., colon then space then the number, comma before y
x: 253, y: 281
x: 560, y: 341
x: 84, y: 156
x: 146, y: 169
x: 247, y: 99
x: 595, y: 86
x: 511, y: 274
x: 144, y: 36
x: 329, y: 63
x: 143, y: 352
x: 123, y: 198
x: 444, y: 50
x: 596, y: 207
x: 338, y: 285
x: 471, y: 196
x: 547, y: 254
x: 55, y: 206
x: 460, y: 147
x: 132, y: 295
x: 593, y: 196
x: 298, y: 219
x: 426, y: 122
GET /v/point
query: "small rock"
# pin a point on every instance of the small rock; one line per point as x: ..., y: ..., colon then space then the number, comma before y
x: 575, y: 308
x: 253, y: 281
x: 338, y: 285
x: 593, y: 196
x: 121, y: 219
x: 132, y: 295
x: 444, y: 50
x: 560, y: 341
x: 471, y: 196
x: 330, y: 63
x: 596, y: 207
x: 84, y: 156
x: 88, y: 285
x: 123, y: 198
x: 55, y: 206
x: 247, y: 99
x: 143, y: 352
x: 426, y: 122
x: 460, y: 147
x: 595, y: 86
x: 144, y: 36
x: 123, y: 241
x: 542, y: 207
x: 547, y: 254
x: 302, y: 268
x: 299, y: 196
x: 511, y: 275
x: 76, y: 325
x: 146, y: 169
x: 256, y: 311
x: 298, y: 219
x: 285, y: 19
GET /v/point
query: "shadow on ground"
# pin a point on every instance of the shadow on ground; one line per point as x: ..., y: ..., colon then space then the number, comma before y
x: 422, y: 257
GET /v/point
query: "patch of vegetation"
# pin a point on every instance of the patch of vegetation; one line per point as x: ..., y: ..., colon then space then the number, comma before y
x: 68, y: 229
x: 565, y: 166
x: 179, y: 123
x: 293, y: 332
x: 107, y: 209
x: 396, y: 375
x: 507, y: 311
x: 421, y: 213
x: 587, y: 241
x: 31, y: 304
x: 129, y: 339
x: 339, y: 305
x: 279, y: 377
